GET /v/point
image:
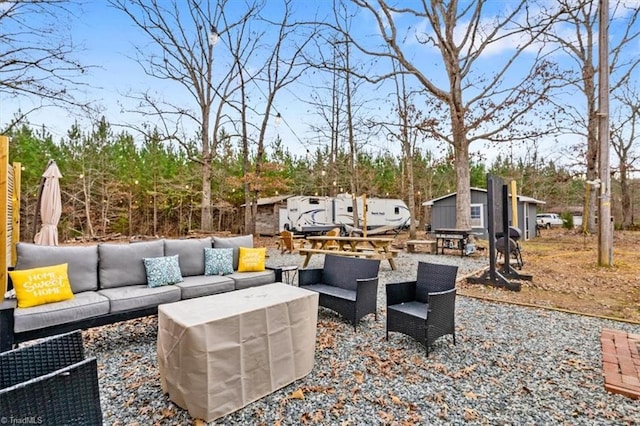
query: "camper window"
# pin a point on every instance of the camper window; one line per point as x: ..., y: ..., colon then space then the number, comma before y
x: 314, y: 201
x: 396, y: 210
x: 350, y: 209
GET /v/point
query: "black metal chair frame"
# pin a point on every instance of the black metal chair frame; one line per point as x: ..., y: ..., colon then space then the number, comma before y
x: 345, y: 285
x: 424, y: 309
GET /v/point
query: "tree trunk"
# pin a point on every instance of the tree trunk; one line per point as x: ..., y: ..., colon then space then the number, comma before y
x: 412, y: 198
x: 625, y: 195
x: 206, y: 221
x: 591, y: 203
x: 463, y: 178
x: 352, y: 146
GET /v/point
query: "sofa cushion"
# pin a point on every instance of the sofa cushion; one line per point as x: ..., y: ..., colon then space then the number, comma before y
x: 252, y: 279
x: 163, y: 270
x: 234, y: 243
x: 86, y: 304
x: 82, y: 261
x: 139, y: 296
x: 191, y: 252
x: 251, y: 259
x: 204, y: 285
x: 37, y: 286
x: 218, y: 261
x: 121, y: 264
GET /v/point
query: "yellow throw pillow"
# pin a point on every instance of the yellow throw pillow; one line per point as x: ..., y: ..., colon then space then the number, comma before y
x: 38, y: 286
x: 251, y: 259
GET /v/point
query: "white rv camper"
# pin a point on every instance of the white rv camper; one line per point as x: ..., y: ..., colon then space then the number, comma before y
x: 319, y: 214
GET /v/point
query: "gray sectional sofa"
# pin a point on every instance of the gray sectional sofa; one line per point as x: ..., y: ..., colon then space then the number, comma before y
x: 109, y: 283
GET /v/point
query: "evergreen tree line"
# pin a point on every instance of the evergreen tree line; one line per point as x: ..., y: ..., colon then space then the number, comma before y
x: 113, y: 185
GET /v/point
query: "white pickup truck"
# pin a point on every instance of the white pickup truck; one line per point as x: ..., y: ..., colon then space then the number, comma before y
x: 547, y: 220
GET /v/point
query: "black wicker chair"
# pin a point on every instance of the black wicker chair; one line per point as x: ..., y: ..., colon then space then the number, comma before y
x: 424, y: 309
x: 346, y: 285
x: 50, y: 383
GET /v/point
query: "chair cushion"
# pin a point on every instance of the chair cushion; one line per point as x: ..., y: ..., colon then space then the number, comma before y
x: 205, y: 285
x: 218, y: 261
x: 86, y: 304
x: 191, y: 252
x: 330, y: 290
x: 163, y: 270
x: 82, y: 260
x: 122, y: 265
x: 251, y: 259
x: 234, y: 243
x: 415, y: 309
x: 38, y: 286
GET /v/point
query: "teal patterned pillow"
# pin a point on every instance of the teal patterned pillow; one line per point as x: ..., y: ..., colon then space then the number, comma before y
x: 218, y: 261
x: 162, y: 270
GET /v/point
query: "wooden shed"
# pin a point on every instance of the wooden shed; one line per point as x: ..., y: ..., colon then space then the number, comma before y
x: 443, y: 213
x: 268, y: 219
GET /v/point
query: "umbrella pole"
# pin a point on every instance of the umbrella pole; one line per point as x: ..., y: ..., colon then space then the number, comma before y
x: 38, y: 201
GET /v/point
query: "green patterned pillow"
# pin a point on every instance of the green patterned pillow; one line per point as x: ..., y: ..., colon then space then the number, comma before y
x: 162, y: 270
x: 218, y: 261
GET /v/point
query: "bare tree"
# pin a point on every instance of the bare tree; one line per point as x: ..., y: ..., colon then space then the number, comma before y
x: 575, y: 33
x: 346, y: 114
x: 625, y: 136
x: 411, y: 126
x: 38, y: 59
x: 479, y: 105
x: 283, y: 66
x: 180, y: 50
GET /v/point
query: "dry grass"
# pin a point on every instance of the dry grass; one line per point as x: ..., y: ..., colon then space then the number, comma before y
x: 566, y: 275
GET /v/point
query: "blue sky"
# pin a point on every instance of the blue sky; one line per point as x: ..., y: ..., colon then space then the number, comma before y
x: 106, y: 36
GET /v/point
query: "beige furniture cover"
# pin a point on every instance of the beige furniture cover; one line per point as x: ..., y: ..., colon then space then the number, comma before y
x: 218, y: 353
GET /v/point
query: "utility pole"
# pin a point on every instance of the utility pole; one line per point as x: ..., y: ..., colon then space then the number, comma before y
x: 605, y: 226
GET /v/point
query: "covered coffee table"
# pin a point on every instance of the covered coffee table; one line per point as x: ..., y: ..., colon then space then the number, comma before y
x: 218, y: 353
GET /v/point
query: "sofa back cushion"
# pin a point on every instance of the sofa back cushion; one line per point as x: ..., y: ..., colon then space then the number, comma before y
x: 190, y: 254
x: 122, y: 264
x: 342, y: 271
x: 82, y: 260
x: 235, y: 243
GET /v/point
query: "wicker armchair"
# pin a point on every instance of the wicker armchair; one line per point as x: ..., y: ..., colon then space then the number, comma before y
x: 424, y: 309
x: 50, y: 383
x: 346, y: 285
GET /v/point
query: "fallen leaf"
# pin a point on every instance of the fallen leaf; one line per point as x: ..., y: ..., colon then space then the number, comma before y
x: 296, y: 394
x: 470, y: 395
x: 470, y: 414
x: 167, y: 412
x: 317, y: 416
x: 396, y: 400
x: 385, y: 416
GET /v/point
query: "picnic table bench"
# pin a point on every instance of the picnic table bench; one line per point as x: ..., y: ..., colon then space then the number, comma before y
x: 411, y: 245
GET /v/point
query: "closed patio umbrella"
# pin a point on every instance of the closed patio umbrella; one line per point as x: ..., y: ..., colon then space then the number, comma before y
x: 50, y: 206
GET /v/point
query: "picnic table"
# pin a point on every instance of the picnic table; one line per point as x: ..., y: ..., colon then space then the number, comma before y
x: 369, y: 247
